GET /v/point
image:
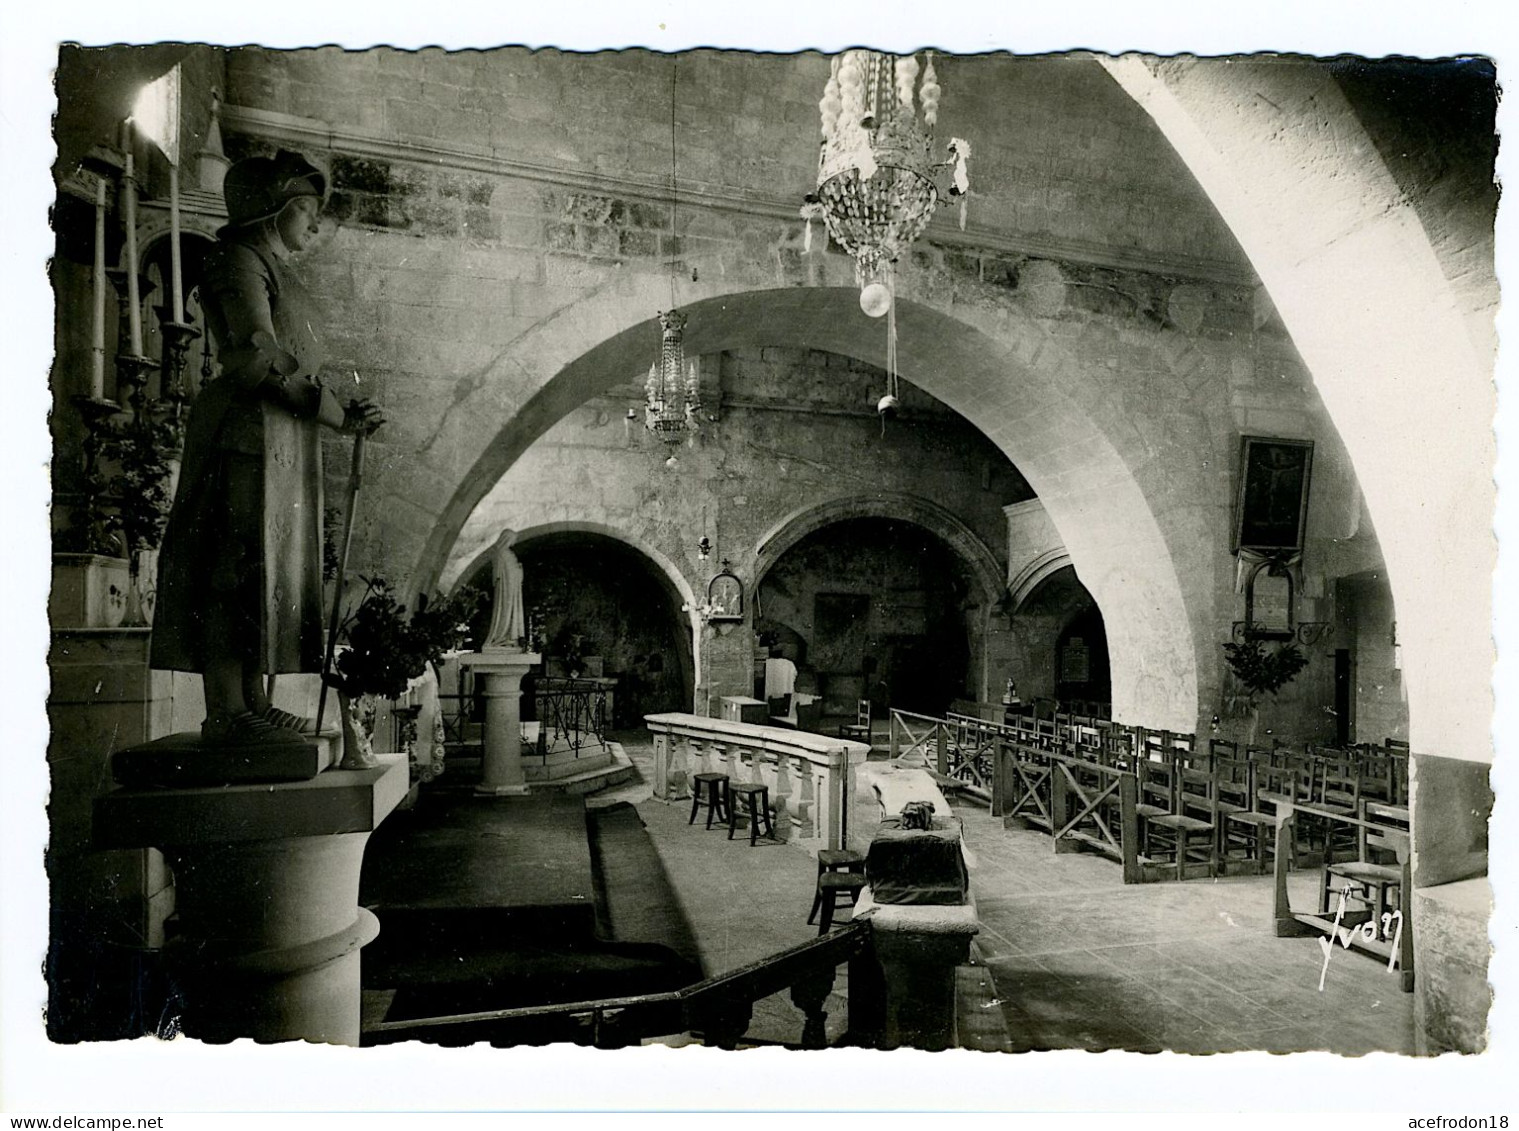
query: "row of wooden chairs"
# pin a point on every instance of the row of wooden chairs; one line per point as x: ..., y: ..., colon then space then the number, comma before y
x: 1217, y: 805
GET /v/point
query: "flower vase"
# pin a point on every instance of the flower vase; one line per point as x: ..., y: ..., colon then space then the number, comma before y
x: 358, y: 753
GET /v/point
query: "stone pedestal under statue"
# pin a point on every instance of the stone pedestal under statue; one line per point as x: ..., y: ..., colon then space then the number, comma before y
x: 499, y: 674
x: 266, y: 882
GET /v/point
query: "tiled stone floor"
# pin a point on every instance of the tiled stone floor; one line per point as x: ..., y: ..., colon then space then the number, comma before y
x: 1079, y: 959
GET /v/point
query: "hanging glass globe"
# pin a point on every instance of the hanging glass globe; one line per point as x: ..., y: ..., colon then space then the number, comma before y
x: 875, y: 299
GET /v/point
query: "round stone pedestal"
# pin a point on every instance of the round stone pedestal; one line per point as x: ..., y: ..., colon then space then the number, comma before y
x: 500, y: 674
x: 266, y: 882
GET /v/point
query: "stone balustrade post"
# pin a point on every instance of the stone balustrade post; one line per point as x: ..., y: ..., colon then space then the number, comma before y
x: 807, y: 802
x: 662, y: 744
x: 781, y: 796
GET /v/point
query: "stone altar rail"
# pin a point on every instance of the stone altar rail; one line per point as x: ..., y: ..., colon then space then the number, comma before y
x: 811, y: 776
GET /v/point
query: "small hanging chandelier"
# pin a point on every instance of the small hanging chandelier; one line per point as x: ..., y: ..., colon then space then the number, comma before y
x: 876, y: 189
x: 673, y: 391
x: 672, y: 394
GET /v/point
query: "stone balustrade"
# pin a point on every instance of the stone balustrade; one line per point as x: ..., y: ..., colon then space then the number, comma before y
x: 811, y: 776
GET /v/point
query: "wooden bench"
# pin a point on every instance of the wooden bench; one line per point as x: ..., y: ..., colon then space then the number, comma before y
x: 1389, y: 938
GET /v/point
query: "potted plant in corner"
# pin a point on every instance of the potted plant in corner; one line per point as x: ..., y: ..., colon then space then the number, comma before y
x: 383, y: 649
x: 144, y: 451
x: 1259, y: 671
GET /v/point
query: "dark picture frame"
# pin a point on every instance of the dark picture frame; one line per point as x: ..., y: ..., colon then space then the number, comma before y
x: 1271, y: 509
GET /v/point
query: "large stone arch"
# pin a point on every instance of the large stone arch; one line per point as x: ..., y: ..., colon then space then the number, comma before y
x: 1387, y: 298
x: 999, y: 369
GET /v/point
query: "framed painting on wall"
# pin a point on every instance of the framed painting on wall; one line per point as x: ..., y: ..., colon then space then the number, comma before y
x: 725, y: 597
x: 1272, y: 508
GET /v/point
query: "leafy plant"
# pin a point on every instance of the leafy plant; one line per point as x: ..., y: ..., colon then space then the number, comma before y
x: 387, y: 648
x: 141, y: 450
x: 89, y: 529
x: 1264, y: 672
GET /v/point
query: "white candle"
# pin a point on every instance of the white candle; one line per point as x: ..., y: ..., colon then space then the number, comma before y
x: 97, y: 326
x: 178, y: 286
x: 129, y: 221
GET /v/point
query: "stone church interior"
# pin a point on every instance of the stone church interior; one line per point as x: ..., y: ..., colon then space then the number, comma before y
x: 893, y: 551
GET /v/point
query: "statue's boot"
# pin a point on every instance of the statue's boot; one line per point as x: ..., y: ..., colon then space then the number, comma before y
x: 247, y: 729
x: 301, y: 724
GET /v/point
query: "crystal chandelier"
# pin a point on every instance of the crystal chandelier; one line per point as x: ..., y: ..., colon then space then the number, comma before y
x: 672, y: 394
x: 876, y: 177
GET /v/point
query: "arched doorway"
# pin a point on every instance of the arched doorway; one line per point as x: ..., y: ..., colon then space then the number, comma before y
x: 873, y: 608
x: 602, y: 609
x: 1060, y: 645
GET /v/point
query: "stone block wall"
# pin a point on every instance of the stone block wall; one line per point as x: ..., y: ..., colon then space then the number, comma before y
x: 505, y: 247
x: 1169, y: 372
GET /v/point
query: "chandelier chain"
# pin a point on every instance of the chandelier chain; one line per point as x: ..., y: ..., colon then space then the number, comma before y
x: 674, y: 181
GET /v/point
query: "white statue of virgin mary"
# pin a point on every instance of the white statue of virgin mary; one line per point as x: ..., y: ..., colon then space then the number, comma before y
x: 508, y: 623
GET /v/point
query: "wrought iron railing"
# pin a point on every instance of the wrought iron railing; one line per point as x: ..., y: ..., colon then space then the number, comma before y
x: 719, y: 1009
x: 572, y: 716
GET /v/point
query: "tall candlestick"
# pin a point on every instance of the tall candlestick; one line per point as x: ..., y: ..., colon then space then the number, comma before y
x: 97, y: 326
x: 178, y: 288
x: 129, y: 220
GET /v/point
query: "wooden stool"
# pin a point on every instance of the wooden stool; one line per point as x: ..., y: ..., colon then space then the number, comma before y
x: 710, y: 790
x: 832, y: 886
x: 840, y: 860
x: 756, y: 797
x: 834, y: 860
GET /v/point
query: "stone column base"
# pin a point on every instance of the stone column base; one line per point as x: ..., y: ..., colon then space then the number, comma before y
x: 919, y: 947
x: 266, y: 888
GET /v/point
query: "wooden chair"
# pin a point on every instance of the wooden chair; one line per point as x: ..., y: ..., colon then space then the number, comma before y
x: 1398, y: 752
x: 1372, y: 878
x: 1243, y: 822
x: 1277, y: 785
x: 1189, y: 831
x: 859, y: 730
x: 1155, y: 791
x: 1337, y: 781
x: 1047, y: 733
x: 1335, y: 787
x: 1223, y: 748
x: 1378, y: 774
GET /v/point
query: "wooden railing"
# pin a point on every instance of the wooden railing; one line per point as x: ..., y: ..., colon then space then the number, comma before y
x: 718, y: 1010
x: 811, y: 777
x: 958, y: 747
x: 1052, y: 778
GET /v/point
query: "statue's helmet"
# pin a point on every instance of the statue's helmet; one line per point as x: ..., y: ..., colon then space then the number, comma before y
x: 258, y: 188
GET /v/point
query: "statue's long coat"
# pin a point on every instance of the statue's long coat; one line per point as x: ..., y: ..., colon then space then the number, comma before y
x: 244, y: 536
